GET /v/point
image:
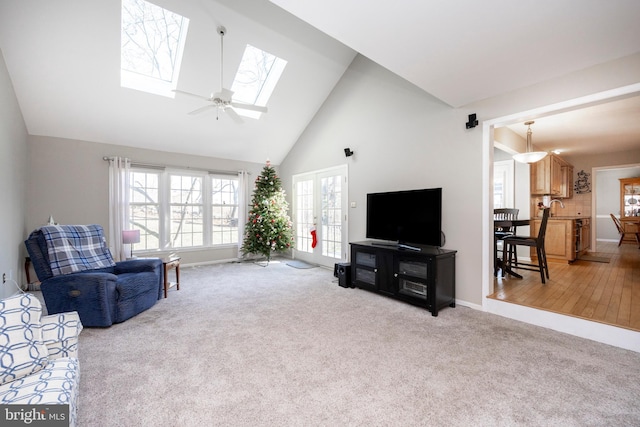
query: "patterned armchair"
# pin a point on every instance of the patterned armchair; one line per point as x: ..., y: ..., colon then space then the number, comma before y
x: 38, y: 355
x: 77, y: 273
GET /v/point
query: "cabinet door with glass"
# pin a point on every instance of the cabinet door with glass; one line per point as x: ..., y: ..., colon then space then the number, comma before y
x: 629, y: 198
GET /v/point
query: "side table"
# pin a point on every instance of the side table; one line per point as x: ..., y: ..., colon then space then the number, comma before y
x: 168, y: 263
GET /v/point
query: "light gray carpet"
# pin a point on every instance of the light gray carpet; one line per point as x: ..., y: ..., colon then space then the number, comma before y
x: 245, y: 345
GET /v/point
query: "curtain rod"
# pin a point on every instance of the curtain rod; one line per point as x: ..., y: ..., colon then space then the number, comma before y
x: 163, y: 167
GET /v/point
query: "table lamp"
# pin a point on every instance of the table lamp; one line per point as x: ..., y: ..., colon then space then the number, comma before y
x: 129, y: 237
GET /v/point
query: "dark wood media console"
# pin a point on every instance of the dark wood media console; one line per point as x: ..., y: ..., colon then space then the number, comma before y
x: 425, y: 278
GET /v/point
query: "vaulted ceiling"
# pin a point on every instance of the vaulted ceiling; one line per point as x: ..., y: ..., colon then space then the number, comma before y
x: 63, y: 59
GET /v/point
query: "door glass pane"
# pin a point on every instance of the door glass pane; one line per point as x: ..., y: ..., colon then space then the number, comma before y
x: 331, y: 216
x: 304, y: 215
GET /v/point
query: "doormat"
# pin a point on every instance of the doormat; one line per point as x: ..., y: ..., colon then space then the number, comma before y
x: 594, y: 258
x: 299, y: 264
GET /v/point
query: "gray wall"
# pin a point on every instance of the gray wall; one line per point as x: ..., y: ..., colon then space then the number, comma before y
x: 403, y: 139
x: 69, y: 180
x: 13, y: 178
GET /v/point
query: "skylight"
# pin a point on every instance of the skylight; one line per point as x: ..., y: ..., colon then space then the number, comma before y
x: 151, y: 47
x: 256, y: 78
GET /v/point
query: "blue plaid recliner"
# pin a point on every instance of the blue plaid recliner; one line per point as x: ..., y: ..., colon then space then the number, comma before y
x: 77, y: 273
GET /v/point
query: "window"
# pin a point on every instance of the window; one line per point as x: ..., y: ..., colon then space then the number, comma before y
x: 183, y: 209
x: 503, y: 184
x: 186, y: 211
x: 224, y: 211
x: 144, y: 207
x: 256, y: 79
x: 152, y: 42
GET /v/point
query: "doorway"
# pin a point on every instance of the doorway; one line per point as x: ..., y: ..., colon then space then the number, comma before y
x: 319, y: 216
x: 576, y: 326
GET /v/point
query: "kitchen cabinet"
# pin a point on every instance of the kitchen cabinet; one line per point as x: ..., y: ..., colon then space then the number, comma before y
x: 552, y: 175
x: 566, y: 238
x: 566, y: 184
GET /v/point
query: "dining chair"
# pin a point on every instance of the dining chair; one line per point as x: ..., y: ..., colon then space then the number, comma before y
x: 502, y: 214
x: 511, y: 242
x: 622, y: 232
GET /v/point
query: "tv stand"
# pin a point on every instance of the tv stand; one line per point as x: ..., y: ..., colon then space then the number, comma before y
x: 424, y: 276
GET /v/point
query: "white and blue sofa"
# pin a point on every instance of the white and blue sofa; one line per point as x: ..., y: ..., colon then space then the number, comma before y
x: 38, y: 355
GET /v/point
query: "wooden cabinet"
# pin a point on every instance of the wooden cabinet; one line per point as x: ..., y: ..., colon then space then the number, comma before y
x: 629, y: 198
x: 425, y: 278
x: 566, y: 239
x: 566, y: 184
x: 552, y: 175
x: 559, y: 238
x: 630, y: 206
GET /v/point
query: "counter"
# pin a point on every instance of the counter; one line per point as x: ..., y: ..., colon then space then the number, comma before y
x: 567, y: 237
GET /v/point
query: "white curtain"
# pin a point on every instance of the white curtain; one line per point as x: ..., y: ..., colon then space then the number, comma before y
x: 118, y: 204
x: 243, y: 202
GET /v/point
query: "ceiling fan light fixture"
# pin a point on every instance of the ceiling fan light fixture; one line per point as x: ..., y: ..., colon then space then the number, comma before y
x: 529, y: 156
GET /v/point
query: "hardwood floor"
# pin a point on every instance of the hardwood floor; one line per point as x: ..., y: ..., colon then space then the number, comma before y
x: 603, y: 292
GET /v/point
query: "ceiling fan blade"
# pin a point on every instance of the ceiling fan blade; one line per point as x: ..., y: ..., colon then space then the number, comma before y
x: 249, y: 107
x: 206, y: 98
x: 201, y: 109
x: 231, y: 112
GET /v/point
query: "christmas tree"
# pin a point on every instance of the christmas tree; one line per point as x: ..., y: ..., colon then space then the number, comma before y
x: 269, y: 226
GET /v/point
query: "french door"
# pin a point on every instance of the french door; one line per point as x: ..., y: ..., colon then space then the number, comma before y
x: 319, y: 207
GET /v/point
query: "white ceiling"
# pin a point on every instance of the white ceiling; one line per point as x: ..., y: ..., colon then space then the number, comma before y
x: 63, y: 59
x: 598, y: 129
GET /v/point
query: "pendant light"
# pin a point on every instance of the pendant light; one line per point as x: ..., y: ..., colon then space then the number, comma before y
x: 530, y: 156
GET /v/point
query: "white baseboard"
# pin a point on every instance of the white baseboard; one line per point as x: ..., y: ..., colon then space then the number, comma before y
x: 595, y: 331
x: 217, y: 261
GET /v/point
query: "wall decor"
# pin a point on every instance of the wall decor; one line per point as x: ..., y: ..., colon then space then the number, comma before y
x: 582, y: 184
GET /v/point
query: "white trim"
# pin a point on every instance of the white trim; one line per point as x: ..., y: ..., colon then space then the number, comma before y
x: 469, y: 305
x: 218, y: 261
x: 595, y: 331
x: 316, y: 257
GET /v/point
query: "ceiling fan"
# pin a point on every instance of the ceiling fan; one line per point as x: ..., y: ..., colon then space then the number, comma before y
x: 223, y: 100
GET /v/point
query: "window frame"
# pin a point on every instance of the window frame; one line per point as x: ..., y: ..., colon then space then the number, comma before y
x: 165, y: 204
x: 166, y: 44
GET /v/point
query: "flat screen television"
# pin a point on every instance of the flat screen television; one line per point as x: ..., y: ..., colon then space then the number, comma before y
x: 406, y: 217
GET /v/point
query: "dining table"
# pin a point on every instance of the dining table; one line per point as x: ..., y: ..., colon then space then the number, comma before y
x: 500, y: 225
